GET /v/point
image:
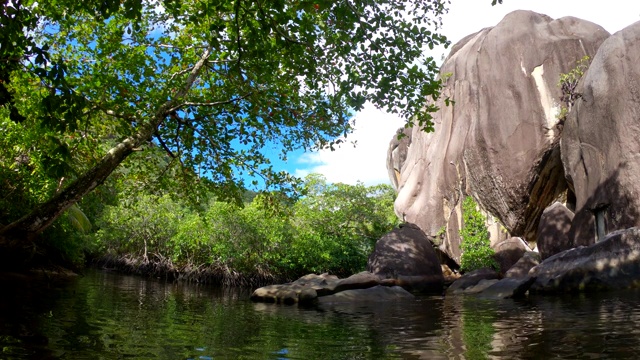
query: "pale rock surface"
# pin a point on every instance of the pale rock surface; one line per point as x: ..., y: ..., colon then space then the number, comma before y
x: 499, y: 141
x: 601, y: 141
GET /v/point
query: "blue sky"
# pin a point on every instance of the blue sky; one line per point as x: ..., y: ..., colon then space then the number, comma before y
x: 375, y: 128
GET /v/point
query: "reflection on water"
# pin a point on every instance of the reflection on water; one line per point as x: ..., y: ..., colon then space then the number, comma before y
x: 108, y: 316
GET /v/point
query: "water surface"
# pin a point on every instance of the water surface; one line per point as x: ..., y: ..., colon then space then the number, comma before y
x: 109, y: 316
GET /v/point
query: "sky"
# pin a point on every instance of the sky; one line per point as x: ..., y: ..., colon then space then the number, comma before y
x: 375, y: 128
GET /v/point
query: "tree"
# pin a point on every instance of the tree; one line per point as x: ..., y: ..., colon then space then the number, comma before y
x: 213, y: 83
x: 475, y: 245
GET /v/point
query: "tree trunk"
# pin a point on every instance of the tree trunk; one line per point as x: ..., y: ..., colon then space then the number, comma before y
x: 27, y: 227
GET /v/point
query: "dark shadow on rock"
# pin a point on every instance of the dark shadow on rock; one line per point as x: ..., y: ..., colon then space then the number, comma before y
x: 611, y: 207
x: 508, y: 252
x: 555, y: 224
x: 407, y: 256
x: 612, y: 263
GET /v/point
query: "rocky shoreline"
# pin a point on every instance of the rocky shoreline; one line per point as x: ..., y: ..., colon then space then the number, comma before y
x: 612, y: 263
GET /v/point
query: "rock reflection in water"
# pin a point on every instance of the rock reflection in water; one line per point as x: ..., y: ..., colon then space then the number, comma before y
x: 108, y: 316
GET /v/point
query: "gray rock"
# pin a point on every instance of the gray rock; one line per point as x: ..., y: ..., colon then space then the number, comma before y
x: 481, y: 286
x: 397, y: 154
x: 509, y: 251
x: 288, y: 294
x: 471, y: 279
x: 612, y: 263
x: 500, y: 139
x: 600, y: 141
x: 361, y: 280
x: 373, y: 294
x: 553, y: 230
x: 524, y: 265
x: 309, y: 287
x: 406, y: 257
x: 508, y: 288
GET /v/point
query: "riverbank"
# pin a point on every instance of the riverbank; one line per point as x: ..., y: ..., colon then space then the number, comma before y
x: 162, y: 268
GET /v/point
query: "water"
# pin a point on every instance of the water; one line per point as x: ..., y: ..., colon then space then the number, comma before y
x: 108, y: 316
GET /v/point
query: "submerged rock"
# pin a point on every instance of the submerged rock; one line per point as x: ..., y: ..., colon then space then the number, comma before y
x: 288, y: 294
x: 480, y: 286
x: 374, y: 294
x: 471, y: 279
x: 508, y: 288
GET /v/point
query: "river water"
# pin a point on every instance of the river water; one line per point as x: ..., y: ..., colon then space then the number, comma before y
x: 108, y: 316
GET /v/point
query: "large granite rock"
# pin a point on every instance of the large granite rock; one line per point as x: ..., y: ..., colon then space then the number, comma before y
x: 405, y: 256
x: 500, y: 139
x: 509, y: 251
x: 600, y: 142
x: 612, y: 263
x: 553, y: 230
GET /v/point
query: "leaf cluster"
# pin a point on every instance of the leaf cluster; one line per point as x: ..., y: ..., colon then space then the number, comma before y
x: 568, y: 83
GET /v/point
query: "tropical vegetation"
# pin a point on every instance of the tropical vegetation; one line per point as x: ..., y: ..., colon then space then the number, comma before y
x: 216, y: 85
x: 475, y: 243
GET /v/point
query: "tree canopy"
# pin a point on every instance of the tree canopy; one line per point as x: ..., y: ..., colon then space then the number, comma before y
x: 215, y: 84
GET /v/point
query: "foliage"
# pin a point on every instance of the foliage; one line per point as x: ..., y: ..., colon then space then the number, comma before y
x: 475, y: 245
x: 214, y: 84
x: 338, y: 224
x: 331, y: 229
x: 568, y: 83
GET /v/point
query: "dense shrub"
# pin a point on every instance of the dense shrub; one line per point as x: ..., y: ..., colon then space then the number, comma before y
x: 475, y: 245
x: 332, y: 228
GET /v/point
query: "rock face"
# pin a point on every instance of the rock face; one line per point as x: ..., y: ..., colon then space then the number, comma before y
x: 553, y: 230
x: 407, y: 256
x: 600, y: 142
x: 499, y: 142
x: 612, y: 263
x: 397, y: 154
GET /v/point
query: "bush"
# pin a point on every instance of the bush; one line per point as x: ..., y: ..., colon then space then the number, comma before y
x: 332, y: 228
x: 475, y: 245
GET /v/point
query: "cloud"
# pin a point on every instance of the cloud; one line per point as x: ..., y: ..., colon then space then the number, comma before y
x: 366, y: 162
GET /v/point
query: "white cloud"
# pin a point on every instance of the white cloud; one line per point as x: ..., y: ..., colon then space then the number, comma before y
x: 365, y: 162
x: 375, y: 128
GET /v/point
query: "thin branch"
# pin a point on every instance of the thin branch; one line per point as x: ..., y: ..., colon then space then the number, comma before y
x: 237, y: 10
x: 164, y: 145
x: 274, y: 26
x: 181, y: 72
x: 210, y: 104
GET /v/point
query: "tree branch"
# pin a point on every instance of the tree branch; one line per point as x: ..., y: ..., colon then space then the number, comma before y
x: 164, y: 145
